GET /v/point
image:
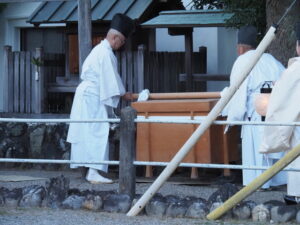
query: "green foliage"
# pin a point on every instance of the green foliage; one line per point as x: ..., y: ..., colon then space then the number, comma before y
x: 207, y: 4
x: 246, y: 12
x: 36, y: 61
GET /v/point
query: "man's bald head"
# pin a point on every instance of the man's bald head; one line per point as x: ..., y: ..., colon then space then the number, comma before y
x: 115, y: 38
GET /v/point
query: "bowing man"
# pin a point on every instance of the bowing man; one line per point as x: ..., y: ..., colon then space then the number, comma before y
x: 101, y: 87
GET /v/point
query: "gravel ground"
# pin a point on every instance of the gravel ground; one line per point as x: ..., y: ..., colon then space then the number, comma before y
x: 71, y: 217
x: 82, y: 217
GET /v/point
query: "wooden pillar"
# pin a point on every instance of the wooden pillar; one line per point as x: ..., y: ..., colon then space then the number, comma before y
x: 203, y: 59
x: 203, y: 67
x: 140, y: 67
x: 127, y: 152
x: 188, y: 60
x: 152, y: 40
x: 39, y: 82
x: 6, y: 85
x: 84, y: 30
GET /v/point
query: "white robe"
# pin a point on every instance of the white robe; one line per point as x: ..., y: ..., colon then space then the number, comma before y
x: 100, y: 88
x: 284, y: 106
x: 241, y: 107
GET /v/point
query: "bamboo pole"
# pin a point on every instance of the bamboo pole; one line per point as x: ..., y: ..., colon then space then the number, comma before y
x: 255, y: 184
x: 215, y: 112
x: 184, y: 95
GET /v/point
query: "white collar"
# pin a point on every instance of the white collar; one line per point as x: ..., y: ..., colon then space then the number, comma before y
x: 106, y: 44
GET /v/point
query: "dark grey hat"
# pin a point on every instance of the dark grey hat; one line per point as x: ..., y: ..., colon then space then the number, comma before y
x: 297, y: 30
x: 247, y: 35
x: 123, y: 24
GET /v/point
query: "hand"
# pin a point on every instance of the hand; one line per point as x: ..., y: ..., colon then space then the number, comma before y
x: 128, y: 96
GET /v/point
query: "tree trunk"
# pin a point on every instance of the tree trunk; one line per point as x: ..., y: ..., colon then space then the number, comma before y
x: 283, y: 47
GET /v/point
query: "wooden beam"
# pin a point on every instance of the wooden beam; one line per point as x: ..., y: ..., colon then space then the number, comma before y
x: 179, y: 31
x: 205, y: 77
x: 84, y: 30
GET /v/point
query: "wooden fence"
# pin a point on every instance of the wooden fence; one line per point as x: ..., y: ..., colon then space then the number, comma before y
x: 25, y: 76
x: 21, y: 86
x: 45, y: 87
x: 158, y: 71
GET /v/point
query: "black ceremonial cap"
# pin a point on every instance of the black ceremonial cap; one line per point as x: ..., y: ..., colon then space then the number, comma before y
x: 247, y: 35
x: 297, y: 30
x: 123, y: 24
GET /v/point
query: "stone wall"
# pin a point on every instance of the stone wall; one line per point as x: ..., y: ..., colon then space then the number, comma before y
x: 43, y: 141
x: 37, y: 141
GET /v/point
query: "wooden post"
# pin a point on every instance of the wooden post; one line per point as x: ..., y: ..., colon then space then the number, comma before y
x: 140, y: 68
x: 6, y: 66
x: 84, y: 30
x: 127, y: 152
x: 203, y: 67
x: 203, y: 59
x: 188, y: 60
x: 39, y: 84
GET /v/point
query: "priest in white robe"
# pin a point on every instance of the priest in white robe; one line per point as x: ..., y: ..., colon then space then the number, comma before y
x: 241, y: 107
x: 284, y: 106
x: 101, y: 88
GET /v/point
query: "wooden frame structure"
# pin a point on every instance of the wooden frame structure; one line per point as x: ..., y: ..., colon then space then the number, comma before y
x: 85, y: 46
x: 84, y: 25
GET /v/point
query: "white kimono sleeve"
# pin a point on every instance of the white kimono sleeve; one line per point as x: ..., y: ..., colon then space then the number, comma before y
x: 111, y: 87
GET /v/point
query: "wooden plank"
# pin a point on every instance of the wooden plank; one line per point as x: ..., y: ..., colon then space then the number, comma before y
x: 11, y: 82
x: 127, y: 173
x: 129, y: 71
x: 123, y: 74
x: 33, y: 85
x: 62, y: 89
x: 124, y: 68
x: 166, y: 72
x: 67, y: 63
x: 28, y: 82
x: 140, y: 76
x: 6, y: 65
x: 22, y: 82
x: 188, y: 60
x: 16, y: 81
x: 84, y: 30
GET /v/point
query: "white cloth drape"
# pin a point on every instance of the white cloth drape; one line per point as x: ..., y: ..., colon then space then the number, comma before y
x: 101, y: 88
x: 284, y: 106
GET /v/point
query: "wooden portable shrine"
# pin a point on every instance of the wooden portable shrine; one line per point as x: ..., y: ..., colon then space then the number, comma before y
x: 160, y: 141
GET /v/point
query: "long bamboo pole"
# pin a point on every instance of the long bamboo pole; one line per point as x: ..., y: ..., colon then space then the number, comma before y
x: 184, y: 95
x: 255, y: 184
x: 204, y: 126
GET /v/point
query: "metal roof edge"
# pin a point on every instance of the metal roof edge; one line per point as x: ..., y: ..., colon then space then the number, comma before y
x: 194, y: 11
x: 42, y: 5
